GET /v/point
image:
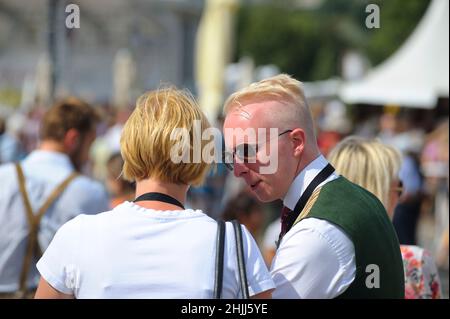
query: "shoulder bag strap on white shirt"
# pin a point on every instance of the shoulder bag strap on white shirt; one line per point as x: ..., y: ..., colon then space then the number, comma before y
x: 220, y: 243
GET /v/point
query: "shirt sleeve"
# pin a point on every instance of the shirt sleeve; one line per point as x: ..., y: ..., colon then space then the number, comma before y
x: 316, y: 259
x: 258, y: 276
x: 57, y: 265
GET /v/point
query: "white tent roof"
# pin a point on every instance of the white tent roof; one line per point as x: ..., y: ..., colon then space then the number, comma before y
x: 417, y: 74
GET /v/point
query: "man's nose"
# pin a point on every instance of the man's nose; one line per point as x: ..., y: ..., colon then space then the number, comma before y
x: 239, y: 169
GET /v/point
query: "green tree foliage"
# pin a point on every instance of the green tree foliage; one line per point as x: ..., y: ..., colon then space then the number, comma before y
x: 398, y: 20
x: 309, y: 44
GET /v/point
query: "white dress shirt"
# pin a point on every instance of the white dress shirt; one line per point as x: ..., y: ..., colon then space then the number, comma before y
x: 43, y: 171
x: 135, y: 252
x: 315, y: 259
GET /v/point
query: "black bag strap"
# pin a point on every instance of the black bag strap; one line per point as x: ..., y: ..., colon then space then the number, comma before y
x: 220, y: 244
x: 240, y: 259
x: 220, y: 247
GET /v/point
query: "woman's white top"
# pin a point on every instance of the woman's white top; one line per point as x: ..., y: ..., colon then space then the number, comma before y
x: 135, y: 252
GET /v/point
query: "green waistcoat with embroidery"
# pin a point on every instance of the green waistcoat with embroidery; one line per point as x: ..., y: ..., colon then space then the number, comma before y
x: 379, y: 265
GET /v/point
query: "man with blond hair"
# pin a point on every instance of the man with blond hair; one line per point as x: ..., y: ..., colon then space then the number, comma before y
x: 336, y: 239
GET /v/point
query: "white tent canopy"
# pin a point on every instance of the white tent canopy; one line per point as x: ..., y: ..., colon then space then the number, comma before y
x: 414, y: 76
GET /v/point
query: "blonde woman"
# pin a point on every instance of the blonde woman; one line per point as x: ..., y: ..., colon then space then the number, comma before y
x: 152, y: 247
x: 375, y: 166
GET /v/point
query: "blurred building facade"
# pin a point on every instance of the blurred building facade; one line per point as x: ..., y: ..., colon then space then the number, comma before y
x: 159, y: 34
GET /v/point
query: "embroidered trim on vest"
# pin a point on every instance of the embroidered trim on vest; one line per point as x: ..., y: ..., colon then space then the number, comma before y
x: 309, y: 204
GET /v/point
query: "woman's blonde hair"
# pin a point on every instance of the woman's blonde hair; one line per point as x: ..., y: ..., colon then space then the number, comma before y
x: 148, y: 138
x: 368, y: 163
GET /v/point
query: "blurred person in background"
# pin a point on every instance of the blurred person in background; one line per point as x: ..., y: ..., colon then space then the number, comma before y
x: 120, y: 190
x: 333, y: 125
x: 248, y: 212
x: 30, y: 130
x: 404, y: 136
x: 152, y: 247
x: 10, y: 147
x: 107, y: 142
x: 45, y: 190
x: 434, y: 163
x: 375, y: 166
x: 330, y: 227
x: 113, y: 132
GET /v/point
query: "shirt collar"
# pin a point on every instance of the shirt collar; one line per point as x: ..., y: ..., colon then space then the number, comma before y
x: 302, y: 181
x: 56, y: 158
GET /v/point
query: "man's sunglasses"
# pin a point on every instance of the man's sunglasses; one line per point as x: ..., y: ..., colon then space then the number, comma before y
x: 245, y: 152
x: 399, y: 188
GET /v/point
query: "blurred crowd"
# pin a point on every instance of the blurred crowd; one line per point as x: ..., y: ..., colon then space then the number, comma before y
x: 421, y: 217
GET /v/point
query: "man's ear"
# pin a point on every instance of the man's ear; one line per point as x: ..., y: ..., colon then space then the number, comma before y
x: 72, y: 140
x: 298, y: 138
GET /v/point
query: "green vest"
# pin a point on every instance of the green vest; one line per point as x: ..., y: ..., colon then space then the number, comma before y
x: 364, y: 219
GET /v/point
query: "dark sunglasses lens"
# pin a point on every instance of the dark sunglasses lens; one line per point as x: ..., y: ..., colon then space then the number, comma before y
x: 400, y: 188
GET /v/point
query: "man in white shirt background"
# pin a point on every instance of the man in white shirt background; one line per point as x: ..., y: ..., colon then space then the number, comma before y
x: 332, y: 230
x: 44, y: 191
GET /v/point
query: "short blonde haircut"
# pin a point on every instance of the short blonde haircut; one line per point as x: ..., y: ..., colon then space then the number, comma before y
x: 281, y: 88
x: 368, y: 163
x: 147, y: 140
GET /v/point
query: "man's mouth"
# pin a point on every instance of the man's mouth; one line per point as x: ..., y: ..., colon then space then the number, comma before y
x: 255, y: 185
